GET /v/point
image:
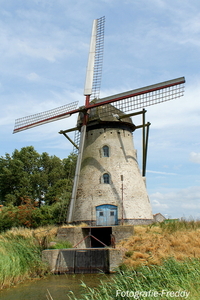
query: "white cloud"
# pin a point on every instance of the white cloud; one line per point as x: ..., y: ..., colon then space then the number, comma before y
x: 191, y: 206
x: 158, y: 205
x: 1, y: 87
x: 33, y: 76
x: 177, y: 202
x: 162, y: 173
x: 32, y: 47
x: 195, y: 157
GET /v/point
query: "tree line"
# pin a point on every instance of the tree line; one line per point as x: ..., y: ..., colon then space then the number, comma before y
x: 35, y: 188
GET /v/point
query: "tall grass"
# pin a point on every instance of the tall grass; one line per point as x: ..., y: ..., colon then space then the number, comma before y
x: 170, y: 277
x: 178, y: 225
x: 21, y: 251
x: 20, y: 257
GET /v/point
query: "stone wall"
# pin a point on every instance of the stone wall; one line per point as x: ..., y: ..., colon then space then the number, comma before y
x: 76, y: 235
x: 82, y: 261
x: 122, y: 160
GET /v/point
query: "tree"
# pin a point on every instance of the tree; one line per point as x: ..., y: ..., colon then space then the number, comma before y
x: 42, y: 178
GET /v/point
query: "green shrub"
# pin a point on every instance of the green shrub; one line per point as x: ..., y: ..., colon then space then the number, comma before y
x: 129, y: 253
x: 30, y: 216
x: 60, y: 245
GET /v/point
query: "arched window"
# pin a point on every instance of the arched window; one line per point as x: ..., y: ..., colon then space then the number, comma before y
x: 106, y: 178
x: 106, y: 151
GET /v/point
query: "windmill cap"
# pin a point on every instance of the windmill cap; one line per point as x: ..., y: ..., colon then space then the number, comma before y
x: 106, y: 116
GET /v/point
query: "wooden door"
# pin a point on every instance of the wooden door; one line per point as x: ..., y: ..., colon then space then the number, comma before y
x: 106, y: 215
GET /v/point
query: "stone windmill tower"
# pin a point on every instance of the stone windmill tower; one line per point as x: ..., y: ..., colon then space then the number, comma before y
x: 109, y: 188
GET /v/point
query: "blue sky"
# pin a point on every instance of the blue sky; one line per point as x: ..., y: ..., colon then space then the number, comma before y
x: 43, y: 57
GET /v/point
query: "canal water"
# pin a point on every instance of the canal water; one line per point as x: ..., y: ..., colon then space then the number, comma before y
x: 59, y: 287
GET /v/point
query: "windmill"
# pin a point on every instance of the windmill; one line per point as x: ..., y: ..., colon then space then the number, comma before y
x: 109, y: 188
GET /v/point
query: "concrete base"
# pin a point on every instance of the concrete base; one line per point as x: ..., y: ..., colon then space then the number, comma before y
x: 80, y: 237
x: 91, y: 260
x: 90, y: 252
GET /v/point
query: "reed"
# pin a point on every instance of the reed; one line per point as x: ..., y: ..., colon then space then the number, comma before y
x: 20, y: 258
x: 178, y: 225
x: 142, y: 283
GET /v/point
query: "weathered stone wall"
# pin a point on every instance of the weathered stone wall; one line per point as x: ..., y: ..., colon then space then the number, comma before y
x: 122, y: 232
x: 121, y: 161
x: 76, y: 235
x: 83, y: 261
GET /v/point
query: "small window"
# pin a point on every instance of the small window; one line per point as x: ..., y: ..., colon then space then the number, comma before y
x: 112, y: 213
x: 106, y: 151
x: 106, y: 178
x: 101, y: 214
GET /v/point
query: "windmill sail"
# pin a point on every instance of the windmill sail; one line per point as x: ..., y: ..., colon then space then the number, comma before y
x: 77, y: 173
x: 140, y: 98
x: 93, y: 71
x: 95, y: 59
x: 77, y: 135
x: 44, y: 117
x: 98, y: 63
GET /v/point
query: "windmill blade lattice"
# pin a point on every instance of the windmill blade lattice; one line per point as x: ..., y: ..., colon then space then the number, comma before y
x: 97, y: 69
x: 44, y: 117
x: 92, y: 85
x: 140, y: 98
x: 77, y: 136
x: 98, y: 63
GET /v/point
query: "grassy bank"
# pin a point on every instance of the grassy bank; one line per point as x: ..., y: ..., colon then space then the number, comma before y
x: 171, y: 280
x: 151, y: 244
x: 20, y: 255
x: 162, y: 258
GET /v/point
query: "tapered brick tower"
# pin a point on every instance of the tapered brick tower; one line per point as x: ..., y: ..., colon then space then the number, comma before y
x: 111, y: 189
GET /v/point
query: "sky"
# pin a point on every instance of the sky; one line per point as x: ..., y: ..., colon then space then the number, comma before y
x: 44, y: 48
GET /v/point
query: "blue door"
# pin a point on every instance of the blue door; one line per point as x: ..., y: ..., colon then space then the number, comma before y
x: 106, y: 215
